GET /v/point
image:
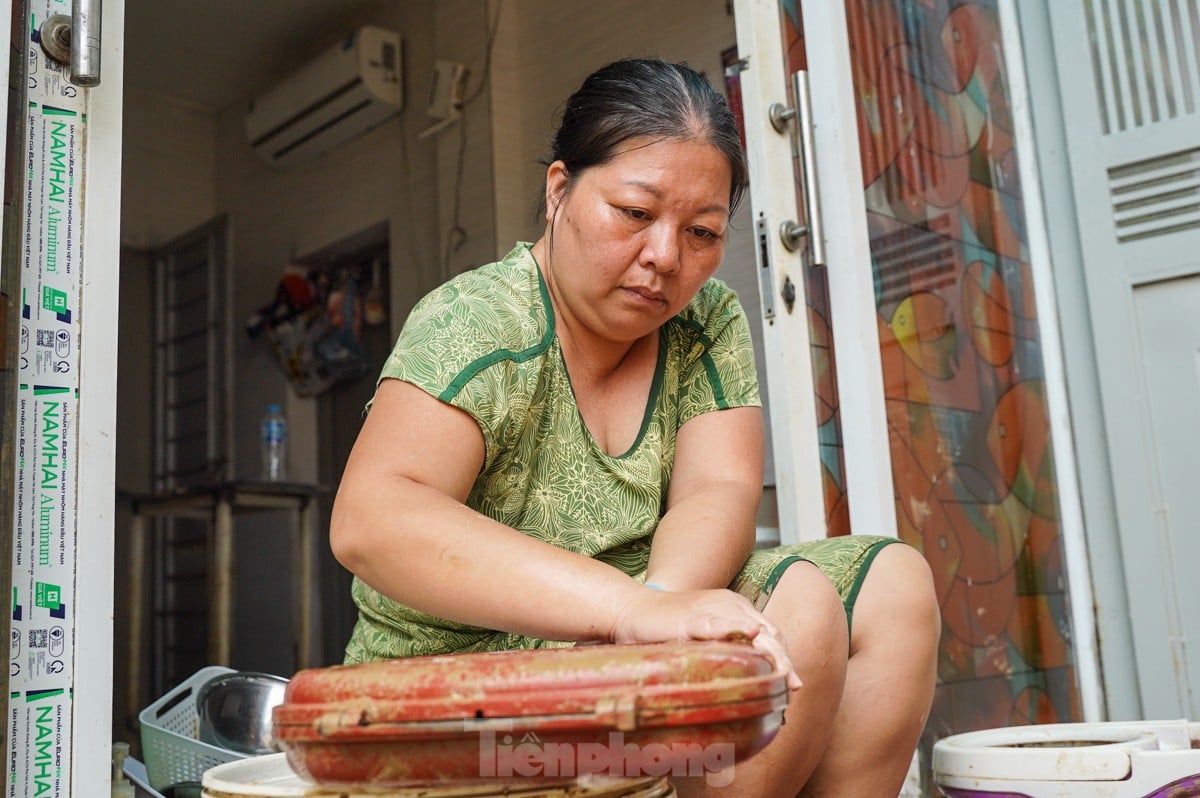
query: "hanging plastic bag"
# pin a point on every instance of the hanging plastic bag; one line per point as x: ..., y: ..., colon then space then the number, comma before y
x: 340, y: 348
x: 314, y: 333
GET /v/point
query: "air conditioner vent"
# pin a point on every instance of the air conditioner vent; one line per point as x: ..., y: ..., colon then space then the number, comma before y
x: 344, y: 92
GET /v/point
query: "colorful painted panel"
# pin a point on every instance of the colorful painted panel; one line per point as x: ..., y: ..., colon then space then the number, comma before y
x: 975, y: 486
x: 962, y: 355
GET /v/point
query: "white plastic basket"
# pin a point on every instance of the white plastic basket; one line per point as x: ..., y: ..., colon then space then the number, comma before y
x: 170, y: 729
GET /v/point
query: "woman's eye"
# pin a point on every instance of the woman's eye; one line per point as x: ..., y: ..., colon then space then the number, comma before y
x: 637, y: 213
x: 705, y: 234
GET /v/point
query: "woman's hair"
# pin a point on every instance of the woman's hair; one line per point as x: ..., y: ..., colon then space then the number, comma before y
x: 643, y: 97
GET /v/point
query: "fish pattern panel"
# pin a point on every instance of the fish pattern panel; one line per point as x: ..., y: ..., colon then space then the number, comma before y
x: 961, y: 349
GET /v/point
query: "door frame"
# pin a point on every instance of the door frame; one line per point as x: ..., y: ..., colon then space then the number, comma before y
x: 91, y: 749
x: 868, y: 475
x: 786, y: 344
x: 854, y: 319
x: 1048, y: 300
x: 5, y: 61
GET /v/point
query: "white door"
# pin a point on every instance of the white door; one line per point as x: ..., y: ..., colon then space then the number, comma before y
x: 802, y: 293
x: 1130, y: 83
x: 62, y: 237
x: 1168, y: 324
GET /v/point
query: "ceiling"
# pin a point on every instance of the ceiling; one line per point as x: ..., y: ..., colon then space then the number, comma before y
x: 212, y: 53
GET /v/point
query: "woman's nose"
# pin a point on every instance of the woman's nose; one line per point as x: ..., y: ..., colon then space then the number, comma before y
x: 660, y: 249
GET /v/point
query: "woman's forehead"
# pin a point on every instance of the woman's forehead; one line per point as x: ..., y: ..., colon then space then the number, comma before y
x: 659, y: 166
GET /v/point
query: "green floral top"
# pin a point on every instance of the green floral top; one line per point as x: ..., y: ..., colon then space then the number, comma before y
x: 485, y: 343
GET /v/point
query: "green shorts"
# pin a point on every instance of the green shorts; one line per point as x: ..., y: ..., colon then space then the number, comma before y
x: 844, y: 560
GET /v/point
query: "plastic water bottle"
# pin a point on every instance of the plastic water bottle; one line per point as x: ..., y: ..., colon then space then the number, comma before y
x: 273, y: 434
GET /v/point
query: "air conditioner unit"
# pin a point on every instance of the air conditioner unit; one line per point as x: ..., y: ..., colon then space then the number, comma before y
x: 344, y: 92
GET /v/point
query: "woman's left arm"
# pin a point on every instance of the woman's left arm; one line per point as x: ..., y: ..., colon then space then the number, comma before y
x: 707, y: 531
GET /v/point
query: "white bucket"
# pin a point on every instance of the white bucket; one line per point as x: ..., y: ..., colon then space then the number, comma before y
x: 270, y: 776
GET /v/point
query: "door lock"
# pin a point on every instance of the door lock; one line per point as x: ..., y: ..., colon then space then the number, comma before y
x: 788, y: 293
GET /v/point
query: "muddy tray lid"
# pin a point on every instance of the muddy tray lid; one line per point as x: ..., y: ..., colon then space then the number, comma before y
x: 620, y: 687
x: 681, y: 708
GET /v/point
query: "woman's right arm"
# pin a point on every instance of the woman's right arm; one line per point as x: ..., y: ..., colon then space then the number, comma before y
x: 400, y: 525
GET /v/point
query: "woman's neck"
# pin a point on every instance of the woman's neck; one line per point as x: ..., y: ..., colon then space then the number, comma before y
x: 587, y: 355
x: 585, y: 352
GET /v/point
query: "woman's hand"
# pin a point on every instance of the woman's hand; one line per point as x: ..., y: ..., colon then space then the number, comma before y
x: 658, y: 615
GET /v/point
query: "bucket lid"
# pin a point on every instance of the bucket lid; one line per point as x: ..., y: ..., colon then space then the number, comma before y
x: 1051, y: 752
x: 583, y: 688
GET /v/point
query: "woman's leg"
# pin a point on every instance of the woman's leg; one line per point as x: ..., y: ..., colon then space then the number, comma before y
x: 889, y: 680
x: 808, y: 610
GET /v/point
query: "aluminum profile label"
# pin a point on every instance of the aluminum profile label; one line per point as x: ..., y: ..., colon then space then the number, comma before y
x: 43, y: 604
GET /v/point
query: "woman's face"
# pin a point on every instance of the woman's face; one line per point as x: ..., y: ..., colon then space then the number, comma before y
x: 636, y: 238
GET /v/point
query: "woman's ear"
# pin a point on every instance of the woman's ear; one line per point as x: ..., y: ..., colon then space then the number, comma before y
x: 557, y: 181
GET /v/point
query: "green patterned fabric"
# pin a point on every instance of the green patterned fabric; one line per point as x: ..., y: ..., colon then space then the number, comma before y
x: 844, y: 560
x: 484, y: 342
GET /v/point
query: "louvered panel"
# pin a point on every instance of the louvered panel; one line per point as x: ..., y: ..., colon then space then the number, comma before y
x: 1145, y: 60
x: 1100, y: 46
x: 1157, y: 208
x: 1184, y: 185
x: 1145, y: 227
x: 1136, y: 184
x: 1157, y: 196
x: 1189, y: 52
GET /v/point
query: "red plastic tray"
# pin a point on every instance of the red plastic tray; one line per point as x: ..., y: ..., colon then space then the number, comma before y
x: 685, y: 708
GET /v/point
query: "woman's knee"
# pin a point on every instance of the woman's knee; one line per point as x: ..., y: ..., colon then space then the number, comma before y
x: 898, y: 595
x: 807, y: 608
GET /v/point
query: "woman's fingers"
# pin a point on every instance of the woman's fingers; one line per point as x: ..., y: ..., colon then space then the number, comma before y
x: 773, y: 647
x: 702, y: 615
x: 769, y: 640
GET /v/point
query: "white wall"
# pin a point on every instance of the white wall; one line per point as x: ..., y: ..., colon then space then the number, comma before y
x: 545, y: 50
x: 168, y: 174
x: 461, y: 35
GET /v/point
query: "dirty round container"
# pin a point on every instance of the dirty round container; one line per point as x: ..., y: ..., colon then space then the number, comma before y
x: 270, y: 776
x: 533, y: 717
x: 1143, y: 759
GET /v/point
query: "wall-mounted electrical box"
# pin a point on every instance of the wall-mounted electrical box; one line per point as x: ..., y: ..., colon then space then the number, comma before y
x: 446, y: 89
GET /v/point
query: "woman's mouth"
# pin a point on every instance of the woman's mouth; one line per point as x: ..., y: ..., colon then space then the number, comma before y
x: 645, y: 295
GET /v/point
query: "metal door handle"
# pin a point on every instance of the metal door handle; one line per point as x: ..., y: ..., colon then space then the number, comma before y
x: 781, y: 116
x: 85, y: 42
x: 808, y: 161
x: 75, y: 41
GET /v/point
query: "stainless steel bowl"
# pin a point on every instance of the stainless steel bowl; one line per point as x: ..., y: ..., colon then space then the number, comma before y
x: 235, y: 711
